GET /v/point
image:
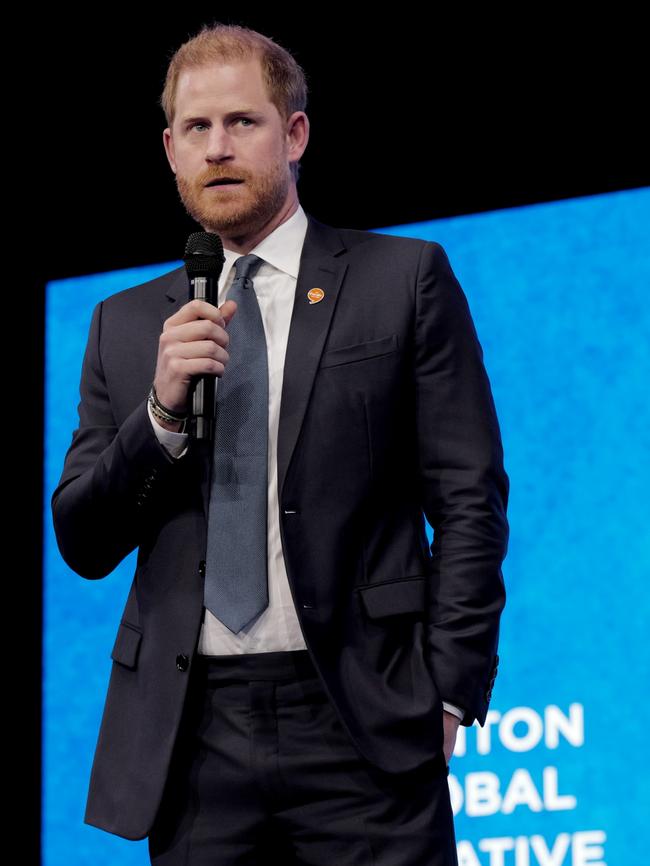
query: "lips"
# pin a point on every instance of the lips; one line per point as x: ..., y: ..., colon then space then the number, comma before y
x: 223, y: 181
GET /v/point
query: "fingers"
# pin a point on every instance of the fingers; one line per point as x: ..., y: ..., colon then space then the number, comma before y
x: 191, y: 331
x: 192, y: 343
x: 202, y: 310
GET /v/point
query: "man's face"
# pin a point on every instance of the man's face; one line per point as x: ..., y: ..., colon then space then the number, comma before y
x: 225, y: 126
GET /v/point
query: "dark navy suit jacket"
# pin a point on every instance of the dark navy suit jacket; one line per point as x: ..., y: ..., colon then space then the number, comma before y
x: 387, y: 416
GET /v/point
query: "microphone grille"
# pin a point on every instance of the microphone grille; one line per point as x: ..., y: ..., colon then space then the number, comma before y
x: 203, y: 254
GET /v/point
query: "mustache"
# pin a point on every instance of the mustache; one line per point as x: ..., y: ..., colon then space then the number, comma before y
x: 209, y: 177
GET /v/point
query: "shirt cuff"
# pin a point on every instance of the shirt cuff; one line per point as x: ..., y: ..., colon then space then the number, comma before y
x: 452, y: 708
x: 175, y: 443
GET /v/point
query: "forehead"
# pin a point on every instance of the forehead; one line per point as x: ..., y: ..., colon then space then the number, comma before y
x: 227, y: 86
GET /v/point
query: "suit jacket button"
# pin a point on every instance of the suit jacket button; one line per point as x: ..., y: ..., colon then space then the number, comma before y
x: 202, y: 568
x: 182, y: 662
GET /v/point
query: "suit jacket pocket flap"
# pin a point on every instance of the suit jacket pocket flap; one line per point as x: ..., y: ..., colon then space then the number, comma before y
x: 359, y: 351
x: 395, y: 597
x: 127, y: 644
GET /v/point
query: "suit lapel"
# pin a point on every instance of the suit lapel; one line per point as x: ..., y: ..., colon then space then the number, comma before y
x: 320, y: 267
x: 177, y: 294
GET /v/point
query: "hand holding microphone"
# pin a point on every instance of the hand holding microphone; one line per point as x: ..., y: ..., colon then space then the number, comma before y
x: 192, y: 344
x: 192, y: 347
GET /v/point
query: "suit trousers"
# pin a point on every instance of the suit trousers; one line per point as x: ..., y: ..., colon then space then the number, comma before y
x: 263, y: 768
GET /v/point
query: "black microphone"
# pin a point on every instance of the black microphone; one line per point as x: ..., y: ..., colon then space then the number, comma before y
x: 204, y: 260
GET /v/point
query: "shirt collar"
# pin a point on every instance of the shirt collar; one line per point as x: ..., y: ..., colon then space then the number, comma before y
x: 282, y: 248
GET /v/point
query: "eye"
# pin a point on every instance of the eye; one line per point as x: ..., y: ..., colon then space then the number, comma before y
x: 246, y: 120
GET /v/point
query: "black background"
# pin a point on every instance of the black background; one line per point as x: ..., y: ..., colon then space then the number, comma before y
x: 413, y: 116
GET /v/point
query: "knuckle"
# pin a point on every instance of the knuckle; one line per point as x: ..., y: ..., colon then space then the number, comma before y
x: 214, y: 333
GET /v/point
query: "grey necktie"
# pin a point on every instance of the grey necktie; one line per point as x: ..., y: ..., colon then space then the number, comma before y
x: 236, y: 581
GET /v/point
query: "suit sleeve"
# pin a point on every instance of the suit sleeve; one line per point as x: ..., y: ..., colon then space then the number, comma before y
x: 103, y: 500
x: 464, y: 490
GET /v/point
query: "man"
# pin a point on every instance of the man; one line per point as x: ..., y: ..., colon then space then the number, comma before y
x: 317, y: 693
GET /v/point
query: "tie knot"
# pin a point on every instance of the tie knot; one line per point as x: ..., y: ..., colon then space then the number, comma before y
x: 246, y: 266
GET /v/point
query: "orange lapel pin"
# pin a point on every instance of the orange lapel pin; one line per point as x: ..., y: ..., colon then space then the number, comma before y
x: 315, y: 295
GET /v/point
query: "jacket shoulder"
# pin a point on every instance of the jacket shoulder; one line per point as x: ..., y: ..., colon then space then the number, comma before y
x: 145, y: 295
x: 376, y: 243
x: 391, y: 242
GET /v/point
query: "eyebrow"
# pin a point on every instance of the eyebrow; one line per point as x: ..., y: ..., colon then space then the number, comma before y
x: 228, y: 116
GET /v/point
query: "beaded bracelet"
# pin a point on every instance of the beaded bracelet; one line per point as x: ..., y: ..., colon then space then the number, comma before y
x: 162, y: 412
x: 156, y: 414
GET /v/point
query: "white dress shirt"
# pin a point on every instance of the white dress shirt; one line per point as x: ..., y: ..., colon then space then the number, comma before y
x: 277, y: 628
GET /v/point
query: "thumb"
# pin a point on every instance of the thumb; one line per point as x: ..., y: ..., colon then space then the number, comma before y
x: 228, y: 309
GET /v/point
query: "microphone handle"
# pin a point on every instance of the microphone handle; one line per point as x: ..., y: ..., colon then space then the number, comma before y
x: 204, y: 288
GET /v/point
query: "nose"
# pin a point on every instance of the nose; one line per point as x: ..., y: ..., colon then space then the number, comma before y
x: 220, y: 146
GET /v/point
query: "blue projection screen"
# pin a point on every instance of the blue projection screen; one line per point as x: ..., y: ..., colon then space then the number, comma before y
x: 556, y: 777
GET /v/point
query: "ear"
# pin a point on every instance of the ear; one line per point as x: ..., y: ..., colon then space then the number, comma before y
x: 297, y: 135
x: 168, y: 143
